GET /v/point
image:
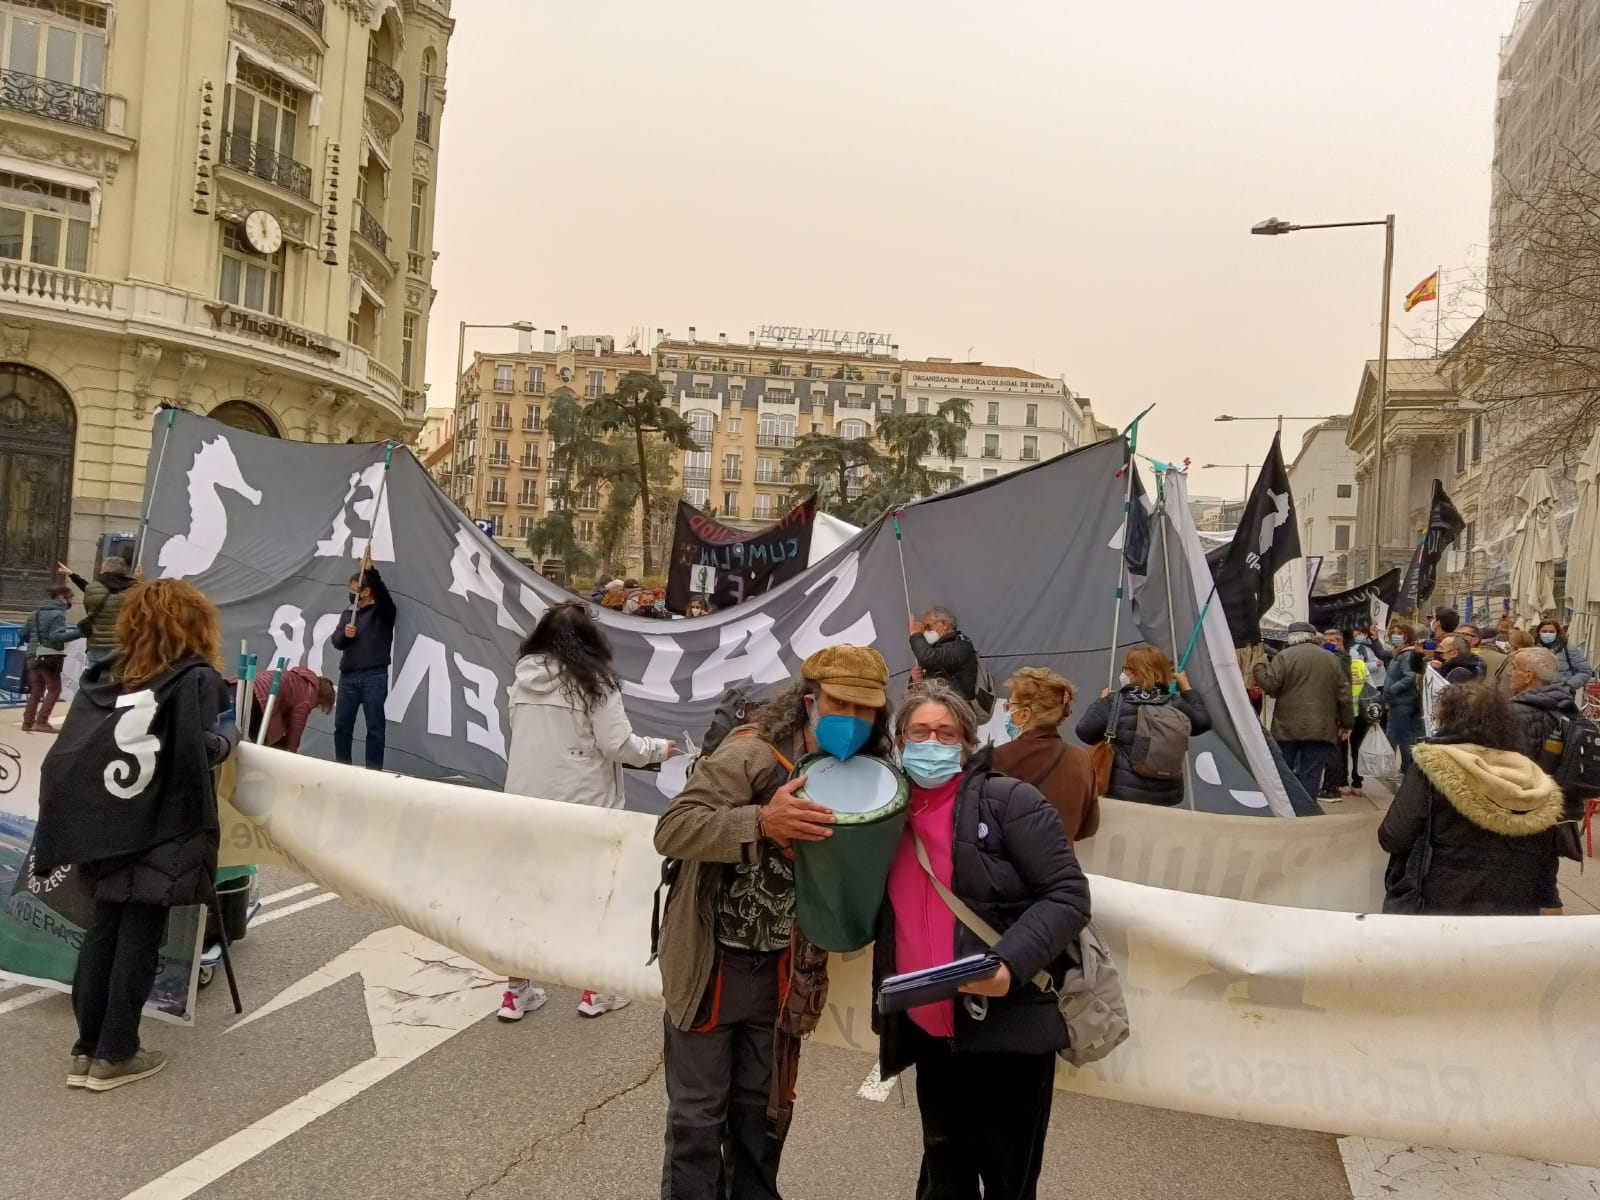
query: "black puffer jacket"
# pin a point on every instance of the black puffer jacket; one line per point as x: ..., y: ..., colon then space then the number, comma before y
x: 1012, y: 866
x: 1127, y: 784
x: 953, y: 658
x: 1541, y: 711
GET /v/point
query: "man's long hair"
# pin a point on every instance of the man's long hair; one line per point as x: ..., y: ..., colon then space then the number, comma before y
x: 161, y: 623
x: 569, y: 635
x: 783, y: 714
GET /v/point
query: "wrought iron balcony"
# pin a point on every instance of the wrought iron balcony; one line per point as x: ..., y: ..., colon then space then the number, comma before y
x: 425, y: 128
x: 386, y: 82
x: 731, y: 476
x: 697, y: 477
x: 309, y: 12
x: 264, y: 162
x: 730, y: 510
x: 783, y: 441
x: 367, y: 226
x: 500, y: 423
x: 504, y: 385
x: 532, y: 425
x: 47, y: 98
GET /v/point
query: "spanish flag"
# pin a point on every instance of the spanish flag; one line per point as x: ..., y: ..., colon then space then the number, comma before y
x: 1427, y: 290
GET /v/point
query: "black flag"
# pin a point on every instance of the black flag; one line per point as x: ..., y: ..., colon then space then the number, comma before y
x: 1268, y: 536
x: 1136, y: 536
x: 1444, y: 527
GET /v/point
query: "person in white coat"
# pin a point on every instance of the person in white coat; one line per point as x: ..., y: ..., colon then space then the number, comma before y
x: 570, y: 739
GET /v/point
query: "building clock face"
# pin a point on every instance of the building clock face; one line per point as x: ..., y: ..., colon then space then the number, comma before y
x: 262, y: 231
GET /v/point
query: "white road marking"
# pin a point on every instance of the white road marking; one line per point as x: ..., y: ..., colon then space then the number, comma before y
x: 287, y: 893
x: 419, y: 995
x: 28, y: 998
x: 6, y: 987
x: 289, y: 910
x: 876, y: 1087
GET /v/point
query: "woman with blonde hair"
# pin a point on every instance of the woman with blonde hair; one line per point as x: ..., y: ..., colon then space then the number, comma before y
x: 127, y: 796
x: 1145, y: 684
x: 1039, y: 701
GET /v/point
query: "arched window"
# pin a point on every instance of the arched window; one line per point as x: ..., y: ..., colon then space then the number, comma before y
x: 852, y: 429
x: 241, y: 414
x: 702, y: 425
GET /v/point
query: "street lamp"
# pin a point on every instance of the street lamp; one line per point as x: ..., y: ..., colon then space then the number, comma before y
x: 1280, y: 418
x: 1248, y: 467
x: 461, y: 352
x: 1273, y: 227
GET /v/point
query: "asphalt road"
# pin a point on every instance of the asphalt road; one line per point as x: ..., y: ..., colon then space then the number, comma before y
x: 556, y: 1106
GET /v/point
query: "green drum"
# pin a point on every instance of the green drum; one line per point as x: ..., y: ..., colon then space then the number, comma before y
x: 839, y: 882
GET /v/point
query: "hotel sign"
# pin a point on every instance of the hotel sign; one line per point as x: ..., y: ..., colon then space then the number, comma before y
x: 269, y: 329
x: 982, y: 383
x: 803, y: 336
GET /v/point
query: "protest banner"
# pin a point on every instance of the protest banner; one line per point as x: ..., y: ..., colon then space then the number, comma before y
x: 1343, y: 1022
x: 1357, y: 606
x: 744, y: 563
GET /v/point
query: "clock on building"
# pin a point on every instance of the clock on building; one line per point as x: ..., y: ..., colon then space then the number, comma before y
x: 262, y: 231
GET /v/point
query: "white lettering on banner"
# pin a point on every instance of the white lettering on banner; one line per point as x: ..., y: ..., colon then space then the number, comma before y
x: 840, y: 581
x: 656, y: 682
x: 287, y: 629
x: 341, y: 542
x: 322, y: 639
x: 532, y: 604
x: 480, y: 695
x: 425, y: 663
x: 472, y: 574
x: 747, y: 651
x: 214, y: 469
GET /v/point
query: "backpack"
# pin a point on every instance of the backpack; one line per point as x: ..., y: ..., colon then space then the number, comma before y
x: 1160, y: 741
x: 983, y: 698
x: 1572, y: 757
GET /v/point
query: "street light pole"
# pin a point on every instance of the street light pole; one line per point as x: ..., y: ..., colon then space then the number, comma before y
x: 461, y: 365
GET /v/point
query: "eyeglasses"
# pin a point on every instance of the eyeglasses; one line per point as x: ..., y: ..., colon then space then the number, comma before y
x: 947, y: 734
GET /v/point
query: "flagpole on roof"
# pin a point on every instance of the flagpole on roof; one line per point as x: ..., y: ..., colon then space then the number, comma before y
x: 1438, y: 308
x: 1130, y: 437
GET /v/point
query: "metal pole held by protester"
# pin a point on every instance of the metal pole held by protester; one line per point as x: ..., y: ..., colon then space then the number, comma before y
x: 377, y: 508
x: 155, y: 480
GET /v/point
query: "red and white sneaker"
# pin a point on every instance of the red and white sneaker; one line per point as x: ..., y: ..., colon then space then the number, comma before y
x: 595, y: 1004
x: 518, y: 1001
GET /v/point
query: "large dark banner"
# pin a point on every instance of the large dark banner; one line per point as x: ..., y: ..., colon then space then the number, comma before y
x: 271, y: 530
x: 743, y: 564
x: 1346, y: 610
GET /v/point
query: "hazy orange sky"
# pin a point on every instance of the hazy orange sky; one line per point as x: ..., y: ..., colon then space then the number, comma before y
x: 1062, y: 186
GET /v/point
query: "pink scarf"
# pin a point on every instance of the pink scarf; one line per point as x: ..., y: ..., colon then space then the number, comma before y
x: 924, y: 928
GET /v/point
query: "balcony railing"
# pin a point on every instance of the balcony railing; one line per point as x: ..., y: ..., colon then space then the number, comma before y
x: 730, y: 510
x: 386, y: 82
x: 732, y: 474
x: 502, y: 423
x: 499, y: 460
x: 764, y: 512
x: 697, y: 477
x: 991, y: 452
x: 309, y: 12
x: 783, y: 441
x: 497, y: 497
x: 530, y: 462
x: 534, y: 387
x: 254, y: 158
x: 857, y: 402
x: 367, y: 226
x: 1030, y: 456
x: 28, y: 281
x: 529, y: 499
x: 47, y: 98
x: 504, y: 385
x: 425, y: 128
x: 533, y: 425
x: 778, y: 397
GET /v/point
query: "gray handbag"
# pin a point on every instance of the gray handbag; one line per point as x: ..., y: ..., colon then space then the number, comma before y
x: 1090, y: 997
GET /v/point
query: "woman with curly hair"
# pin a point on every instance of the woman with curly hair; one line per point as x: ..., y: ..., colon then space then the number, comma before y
x: 127, y: 796
x: 570, y: 739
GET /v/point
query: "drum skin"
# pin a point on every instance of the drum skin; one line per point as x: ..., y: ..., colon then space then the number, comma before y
x: 839, y: 882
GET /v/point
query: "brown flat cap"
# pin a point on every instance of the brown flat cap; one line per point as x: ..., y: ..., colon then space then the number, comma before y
x: 854, y: 674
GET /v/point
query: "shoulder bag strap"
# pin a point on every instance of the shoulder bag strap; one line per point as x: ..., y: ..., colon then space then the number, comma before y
x: 1116, y: 713
x: 964, y: 914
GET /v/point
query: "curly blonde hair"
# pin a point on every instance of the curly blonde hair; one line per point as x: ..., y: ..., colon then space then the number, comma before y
x: 162, y: 622
x: 1045, y: 694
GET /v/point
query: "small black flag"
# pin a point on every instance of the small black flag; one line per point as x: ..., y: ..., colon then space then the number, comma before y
x: 1444, y: 527
x: 1136, y: 535
x: 1268, y: 537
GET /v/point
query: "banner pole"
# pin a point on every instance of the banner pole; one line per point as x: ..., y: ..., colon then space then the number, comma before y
x: 905, y: 582
x: 377, y: 508
x: 1131, y: 433
x: 155, y: 480
x: 1172, y: 620
x: 272, y: 700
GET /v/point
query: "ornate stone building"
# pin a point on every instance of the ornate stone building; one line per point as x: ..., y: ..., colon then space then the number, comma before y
x: 225, y: 205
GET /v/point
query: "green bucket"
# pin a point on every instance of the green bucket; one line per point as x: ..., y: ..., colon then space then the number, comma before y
x: 839, y: 882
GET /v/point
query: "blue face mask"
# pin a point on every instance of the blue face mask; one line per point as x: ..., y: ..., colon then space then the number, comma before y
x: 1330, y: 647
x: 1361, y: 639
x: 1397, y: 639
x: 1549, y: 639
x: 1011, y: 729
x: 930, y: 763
x: 841, y: 736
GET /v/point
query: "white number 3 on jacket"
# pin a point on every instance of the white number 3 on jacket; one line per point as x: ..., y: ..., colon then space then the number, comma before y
x: 136, y: 741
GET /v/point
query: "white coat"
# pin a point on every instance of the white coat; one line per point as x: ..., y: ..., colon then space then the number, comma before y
x: 559, y: 751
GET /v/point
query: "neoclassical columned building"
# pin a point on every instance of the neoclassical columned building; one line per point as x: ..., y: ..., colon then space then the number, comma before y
x: 225, y: 205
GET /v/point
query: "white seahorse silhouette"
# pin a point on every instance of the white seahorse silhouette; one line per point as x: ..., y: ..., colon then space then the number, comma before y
x: 214, y: 468
x: 136, y: 741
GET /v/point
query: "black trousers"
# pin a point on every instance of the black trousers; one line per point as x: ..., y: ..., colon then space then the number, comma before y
x: 984, y: 1119
x: 117, y: 967
x: 720, y: 1144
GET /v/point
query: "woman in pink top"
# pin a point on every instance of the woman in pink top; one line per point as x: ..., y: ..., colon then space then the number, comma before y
x: 985, y: 1065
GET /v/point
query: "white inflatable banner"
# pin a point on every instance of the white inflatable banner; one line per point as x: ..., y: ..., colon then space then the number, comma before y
x: 1475, y: 1033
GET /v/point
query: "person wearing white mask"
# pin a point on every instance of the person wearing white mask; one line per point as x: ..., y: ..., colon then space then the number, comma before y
x: 943, y: 652
x: 985, y: 1065
x: 1147, y: 682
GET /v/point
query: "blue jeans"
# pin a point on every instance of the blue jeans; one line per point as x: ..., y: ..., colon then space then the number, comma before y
x: 1308, y: 760
x: 1403, y: 729
x: 364, y: 692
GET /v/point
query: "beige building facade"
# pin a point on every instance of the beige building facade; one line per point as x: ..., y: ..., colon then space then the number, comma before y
x: 222, y: 205
x: 1018, y: 418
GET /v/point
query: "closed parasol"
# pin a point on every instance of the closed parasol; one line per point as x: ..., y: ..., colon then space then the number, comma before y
x: 1583, y: 549
x: 1535, y: 551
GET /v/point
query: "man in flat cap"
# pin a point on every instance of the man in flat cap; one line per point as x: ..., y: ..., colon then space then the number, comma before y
x: 741, y: 984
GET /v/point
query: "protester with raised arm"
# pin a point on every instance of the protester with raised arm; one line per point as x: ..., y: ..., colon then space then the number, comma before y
x: 367, y: 643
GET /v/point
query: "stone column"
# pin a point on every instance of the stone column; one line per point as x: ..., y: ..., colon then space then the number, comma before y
x: 1366, y: 508
x: 1396, y: 529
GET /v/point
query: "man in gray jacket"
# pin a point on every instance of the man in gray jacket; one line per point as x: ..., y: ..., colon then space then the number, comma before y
x: 1314, y: 709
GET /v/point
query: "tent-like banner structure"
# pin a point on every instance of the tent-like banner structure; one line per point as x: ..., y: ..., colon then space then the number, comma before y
x: 271, y: 530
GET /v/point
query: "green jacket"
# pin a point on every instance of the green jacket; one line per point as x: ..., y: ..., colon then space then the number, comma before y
x: 102, y: 601
x: 1311, y: 688
x: 712, y: 822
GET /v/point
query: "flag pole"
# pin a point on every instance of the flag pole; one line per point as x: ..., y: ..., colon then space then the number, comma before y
x: 1438, y: 307
x: 377, y: 510
x: 1172, y: 616
x: 1131, y: 437
x: 905, y: 582
x: 155, y: 480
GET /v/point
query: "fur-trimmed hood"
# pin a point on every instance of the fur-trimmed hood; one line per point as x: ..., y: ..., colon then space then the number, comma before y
x: 1497, y: 790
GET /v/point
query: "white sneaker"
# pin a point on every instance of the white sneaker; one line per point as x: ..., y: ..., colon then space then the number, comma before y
x: 595, y: 1004
x: 519, y: 1001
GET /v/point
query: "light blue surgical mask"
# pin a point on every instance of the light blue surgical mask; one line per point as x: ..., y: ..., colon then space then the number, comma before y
x: 1548, y: 638
x: 841, y: 736
x: 1397, y: 639
x: 930, y: 763
x: 1012, y: 731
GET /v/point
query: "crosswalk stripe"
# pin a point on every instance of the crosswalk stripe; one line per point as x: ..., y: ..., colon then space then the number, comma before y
x: 289, y: 893
x: 27, y: 998
x: 291, y: 909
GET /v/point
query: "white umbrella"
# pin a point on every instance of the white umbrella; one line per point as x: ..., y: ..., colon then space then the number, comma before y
x: 1583, y: 549
x: 1534, y: 551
